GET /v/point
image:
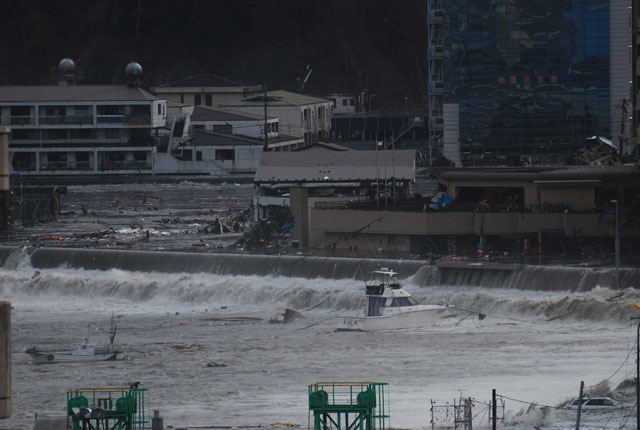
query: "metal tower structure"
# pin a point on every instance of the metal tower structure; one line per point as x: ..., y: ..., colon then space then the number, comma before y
x: 349, y: 405
x: 107, y: 408
x: 435, y: 53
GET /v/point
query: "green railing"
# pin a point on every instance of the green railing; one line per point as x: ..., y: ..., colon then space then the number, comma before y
x: 107, y: 408
x: 349, y: 405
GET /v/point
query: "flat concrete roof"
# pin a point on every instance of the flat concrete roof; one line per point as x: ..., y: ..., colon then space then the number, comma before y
x: 538, y: 173
x: 335, y: 166
x: 202, y: 80
x: 279, y: 98
x: 73, y: 93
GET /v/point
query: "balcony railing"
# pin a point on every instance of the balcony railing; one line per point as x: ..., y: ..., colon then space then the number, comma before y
x: 123, y: 119
x: 110, y: 119
x: 21, y: 120
x: 131, y: 119
x: 124, y: 165
x: 66, y: 119
x: 66, y: 165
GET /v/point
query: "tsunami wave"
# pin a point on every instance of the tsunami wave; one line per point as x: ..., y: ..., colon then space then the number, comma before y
x: 265, y: 294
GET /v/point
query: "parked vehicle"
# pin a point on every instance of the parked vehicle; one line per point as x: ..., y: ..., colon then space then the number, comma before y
x: 595, y: 403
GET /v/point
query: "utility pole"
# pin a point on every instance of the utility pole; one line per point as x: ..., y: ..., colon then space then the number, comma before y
x: 579, y: 405
x: 494, y: 410
x: 393, y: 166
x: 637, y: 373
x: 617, y: 246
x: 5, y: 360
x: 266, y: 134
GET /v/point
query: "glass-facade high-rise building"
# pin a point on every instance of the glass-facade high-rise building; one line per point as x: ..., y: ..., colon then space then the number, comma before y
x: 526, y: 76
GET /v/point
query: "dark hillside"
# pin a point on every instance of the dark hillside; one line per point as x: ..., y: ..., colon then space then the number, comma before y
x: 376, y: 44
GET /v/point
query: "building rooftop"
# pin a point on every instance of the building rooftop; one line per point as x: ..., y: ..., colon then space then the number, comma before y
x: 203, y: 80
x: 335, y: 166
x: 205, y: 113
x: 323, y: 146
x: 203, y: 137
x: 540, y: 173
x: 212, y: 138
x: 73, y: 93
x: 281, y: 98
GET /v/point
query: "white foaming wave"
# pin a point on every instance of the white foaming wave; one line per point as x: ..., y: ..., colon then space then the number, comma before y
x: 599, y: 304
x: 19, y: 259
x: 156, y: 290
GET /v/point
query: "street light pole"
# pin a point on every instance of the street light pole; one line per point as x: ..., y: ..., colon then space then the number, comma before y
x: 406, y: 114
x: 617, y: 245
x: 637, y: 374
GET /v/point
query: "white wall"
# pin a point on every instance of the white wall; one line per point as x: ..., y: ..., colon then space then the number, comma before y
x: 291, y: 122
x: 168, y: 164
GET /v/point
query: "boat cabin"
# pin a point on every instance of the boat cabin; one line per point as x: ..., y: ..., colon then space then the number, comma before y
x: 85, y: 349
x: 384, y: 294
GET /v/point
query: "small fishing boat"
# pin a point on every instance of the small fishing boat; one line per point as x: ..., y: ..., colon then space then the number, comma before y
x: 85, y: 352
x: 389, y: 307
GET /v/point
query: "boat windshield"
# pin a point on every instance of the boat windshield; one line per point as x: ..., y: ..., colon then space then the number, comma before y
x: 385, y: 278
x: 403, y: 301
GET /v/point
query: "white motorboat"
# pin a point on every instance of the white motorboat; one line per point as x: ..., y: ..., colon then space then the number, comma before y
x: 389, y: 307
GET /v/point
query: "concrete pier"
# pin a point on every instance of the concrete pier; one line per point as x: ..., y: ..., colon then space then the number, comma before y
x: 5, y: 360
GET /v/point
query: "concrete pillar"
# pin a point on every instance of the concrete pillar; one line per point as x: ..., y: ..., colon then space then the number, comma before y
x: 4, y: 158
x: 5, y: 360
x: 299, y: 203
x: 540, y: 242
x: 5, y: 170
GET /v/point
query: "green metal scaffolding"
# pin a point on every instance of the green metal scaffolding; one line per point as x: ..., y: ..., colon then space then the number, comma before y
x: 107, y: 408
x: 349, y: 405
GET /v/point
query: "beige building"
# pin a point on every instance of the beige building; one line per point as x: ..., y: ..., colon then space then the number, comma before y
x: 331, y: 176
x: 532, y: 208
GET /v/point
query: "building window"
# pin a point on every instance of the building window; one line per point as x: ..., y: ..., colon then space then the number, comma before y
x: 345, y: 102
x: 224, y: 154
x: 181, y: 98
x: 198, y: 155
x: 352, y: 102
x: 83, y: 133
x: 197, y: 99
x: 111, y: 133
x: 57, y: 134
x: 20, y: 134
x: 159, y: 109
x: 207, y: 99
x: 222, y: 128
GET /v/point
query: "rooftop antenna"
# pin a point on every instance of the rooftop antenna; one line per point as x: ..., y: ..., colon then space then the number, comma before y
x: 266, y: 133
x: 134, y: 72
x: 306, y: 78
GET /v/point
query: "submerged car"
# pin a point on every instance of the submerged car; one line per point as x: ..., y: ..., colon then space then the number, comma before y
x: 595, y: 403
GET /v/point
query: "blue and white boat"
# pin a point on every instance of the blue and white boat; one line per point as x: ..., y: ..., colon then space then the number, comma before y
x: 389, y: 307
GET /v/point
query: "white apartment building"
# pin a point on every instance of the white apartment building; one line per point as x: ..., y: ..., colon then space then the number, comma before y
x: 300, y: 116
x: 76, y: 129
